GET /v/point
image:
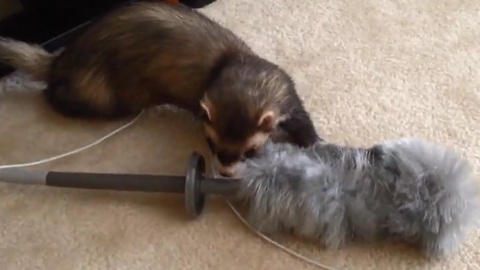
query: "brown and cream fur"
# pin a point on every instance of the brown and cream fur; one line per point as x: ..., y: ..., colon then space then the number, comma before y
x: 148, y: 54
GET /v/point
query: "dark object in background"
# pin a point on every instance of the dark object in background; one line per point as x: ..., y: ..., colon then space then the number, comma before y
x: 196, y: 3
x: 52, y: 22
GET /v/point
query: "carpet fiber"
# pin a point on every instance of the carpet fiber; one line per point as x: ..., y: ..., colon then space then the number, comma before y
x: 367, y: 70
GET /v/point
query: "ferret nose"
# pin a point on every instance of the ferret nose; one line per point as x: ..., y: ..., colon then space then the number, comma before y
x: 226, y: 174
x: 227, y: 171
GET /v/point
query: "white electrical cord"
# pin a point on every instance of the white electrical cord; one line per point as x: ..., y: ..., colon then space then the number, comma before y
x: 116, y: 131
x: 78, y: 150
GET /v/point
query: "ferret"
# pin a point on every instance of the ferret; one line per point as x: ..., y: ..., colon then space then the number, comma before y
x: 152, y: 53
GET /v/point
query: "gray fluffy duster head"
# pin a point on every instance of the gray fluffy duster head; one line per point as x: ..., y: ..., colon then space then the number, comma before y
x: 416, y: 190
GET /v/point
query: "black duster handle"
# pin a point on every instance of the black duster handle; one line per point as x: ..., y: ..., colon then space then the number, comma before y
x: 194, y: 185
x: 121, y: 182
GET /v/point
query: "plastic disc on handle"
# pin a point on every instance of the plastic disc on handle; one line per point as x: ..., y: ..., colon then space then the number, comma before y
x: 194, y: 198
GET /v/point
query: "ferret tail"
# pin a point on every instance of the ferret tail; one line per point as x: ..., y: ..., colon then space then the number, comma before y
x: 451, y: 206
x: 29, y: 58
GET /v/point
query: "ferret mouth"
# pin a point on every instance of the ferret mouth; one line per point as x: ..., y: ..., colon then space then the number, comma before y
x: 228, y: 166
x: 223, y: 170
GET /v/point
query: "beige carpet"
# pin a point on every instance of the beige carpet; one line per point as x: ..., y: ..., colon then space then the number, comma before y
x: 368, y: 70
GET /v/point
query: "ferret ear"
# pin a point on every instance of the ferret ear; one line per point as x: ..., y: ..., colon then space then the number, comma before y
x: 266, y: 122
x: 205, y: 111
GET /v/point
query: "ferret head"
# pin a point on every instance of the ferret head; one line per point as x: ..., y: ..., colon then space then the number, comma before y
x: 234, y: 133
x: 241, y: 109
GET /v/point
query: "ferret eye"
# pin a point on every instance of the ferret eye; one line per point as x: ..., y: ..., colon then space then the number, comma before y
x: 211, y: 145
x: 204, y: 117
x: 251, y: 152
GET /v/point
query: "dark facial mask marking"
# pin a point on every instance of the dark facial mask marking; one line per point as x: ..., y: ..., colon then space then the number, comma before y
x: 228, y: 158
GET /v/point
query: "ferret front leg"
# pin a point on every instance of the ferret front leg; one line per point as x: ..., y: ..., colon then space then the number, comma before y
x: 300, y: 129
